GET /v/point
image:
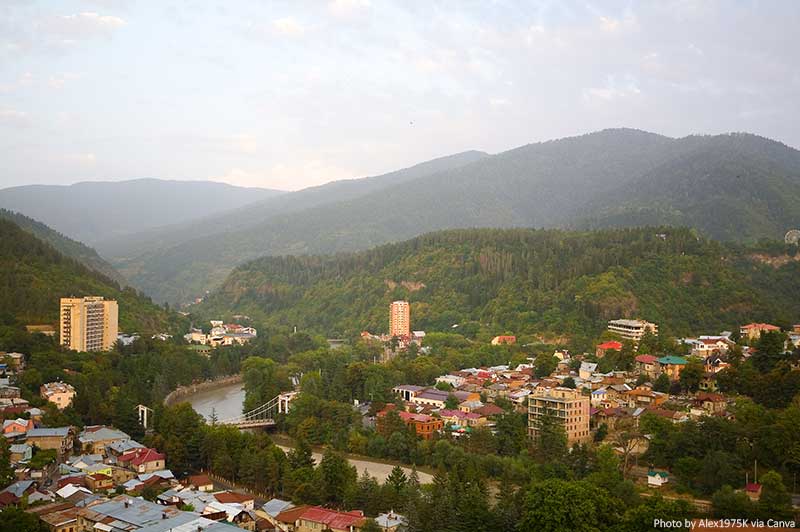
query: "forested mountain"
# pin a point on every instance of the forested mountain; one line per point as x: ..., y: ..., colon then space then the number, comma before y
x: 548, y: 284
x: 33, y: 276
x: 94, y: 211
x: 730, y: 187
x: 180, y: 262
x: 65, y: 245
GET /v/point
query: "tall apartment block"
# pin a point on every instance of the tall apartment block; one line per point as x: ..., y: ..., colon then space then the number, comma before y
x: 632, y: 329
x: 400, y: 319
x: 88, y: 323
x: 567, y: 406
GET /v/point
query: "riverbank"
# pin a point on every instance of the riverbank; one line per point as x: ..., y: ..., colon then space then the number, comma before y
x: 182, y: 393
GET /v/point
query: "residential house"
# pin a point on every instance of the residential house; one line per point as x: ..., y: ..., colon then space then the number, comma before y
x: 706, y: 345
x: 672, y: 366
x: 143, y: 460
x: 645, y: 397
x: 317, y: 518
x: 408, y: 391
x: 424, y: 425
x: 715, y: 363
x: 58, y: 438
x: 603, y: 348
x: 713, y: 403
x: 586, y: 370
x: 752, y: 331
x: 99, y: 482
x: 16, y: 427
x: 127, y: 513
x: 656, y: 479
x: 489, y: 410
x: 598, y: 396
x: 231, y: 497
x: 20, y: 452
x: 95, y: 438
x: 60, y: 517
x: 392, y: 522
x: 462, y: 419
x: 753, y: 491
x: 201, y: 483
x: 647, y: 365
x: 632, y: 329
x: 60, y: 394
x: 453, y: 380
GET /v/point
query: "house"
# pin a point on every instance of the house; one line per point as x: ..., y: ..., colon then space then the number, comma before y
x: 62, y: 518
x: 489, y: 410
x: 60, y: 394
x: 391, y: 522
x: 598, y: 396
x: 143, y: 460
x: 117, y: 448
x: 713, y: 403
x: 647, y: 365
x: 408, y: 391
x: 453, y: 380
x: 753, y: 491
x: 424, y: 425
x: 16, y: 427
x: 317, y: 518
x: 20, y: 452
x: 58, y: 438
x: 95, y: 438
x: 672, y: 366
x: 706, y: 345
x: 656, y: 479
x: 99, y: 482
x: 272, y: 508
x: 715, y: 363
x: 127, y: 513
x: 708, y: 382
x: 201, y: 483
x: 504, y: 340
x: 586, y: 370
x: 462, y: 419
x: 752, y: 331
x: 644, y: 397
x: 431, y: 397
x: 231, y: 497
x: 611, y: 345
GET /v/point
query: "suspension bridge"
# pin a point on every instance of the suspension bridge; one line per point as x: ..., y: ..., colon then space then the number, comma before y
x: 262, y: 416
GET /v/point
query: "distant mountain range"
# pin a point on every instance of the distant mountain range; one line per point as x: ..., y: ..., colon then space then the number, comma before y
x: 94, y: 211
x: 540, y: 284
x: 729, y: 187
x: 34, y: 275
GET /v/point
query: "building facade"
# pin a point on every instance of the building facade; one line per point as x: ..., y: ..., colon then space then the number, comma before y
x: 88, y: 323
x: 400, y: 319
x: 565, y: 405
x: 632, y: 329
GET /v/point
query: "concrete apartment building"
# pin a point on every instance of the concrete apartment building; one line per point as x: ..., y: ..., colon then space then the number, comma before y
x: 88, y: 323
x: 632, y: 329
x: 400, y: 319
x: 566, y: 405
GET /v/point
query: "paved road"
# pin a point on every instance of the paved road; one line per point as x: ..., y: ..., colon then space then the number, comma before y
x: 376, y: 469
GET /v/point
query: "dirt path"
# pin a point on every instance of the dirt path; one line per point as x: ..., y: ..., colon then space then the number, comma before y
x: 378, y: 470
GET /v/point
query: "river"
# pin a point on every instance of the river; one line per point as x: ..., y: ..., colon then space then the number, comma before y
x: 226, y: 402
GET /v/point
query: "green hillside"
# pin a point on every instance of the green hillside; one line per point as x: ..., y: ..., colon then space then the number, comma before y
x: 65, y: 245
x: 736, y: 187
x: 34, y: 275
x: 545, y: 283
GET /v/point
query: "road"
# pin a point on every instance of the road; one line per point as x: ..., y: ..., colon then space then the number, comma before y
x: 378, y: 470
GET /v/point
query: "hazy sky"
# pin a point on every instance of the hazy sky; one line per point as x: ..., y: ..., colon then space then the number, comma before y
x: 289, y: 94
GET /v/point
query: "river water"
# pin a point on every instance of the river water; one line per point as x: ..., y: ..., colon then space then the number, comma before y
x: 227, y: 402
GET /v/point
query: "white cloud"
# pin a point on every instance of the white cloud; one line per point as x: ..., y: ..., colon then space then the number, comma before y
x: 343, y: 8
x: 13, y: 117
x: 612, y: 90
x: 288, y: 26
x: 83, y: 159
x: 66, y: 30
x: 498, y: 102
x: 59, y: 81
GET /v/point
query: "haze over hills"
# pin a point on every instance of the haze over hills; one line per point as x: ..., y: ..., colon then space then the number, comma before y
x: 93, y: 211
x: 65, y: 245
x: 537, y: 283
x: 730, y: 187
x: 34, y: 275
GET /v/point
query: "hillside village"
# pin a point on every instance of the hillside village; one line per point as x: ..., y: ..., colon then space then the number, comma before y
x: 80, y: 479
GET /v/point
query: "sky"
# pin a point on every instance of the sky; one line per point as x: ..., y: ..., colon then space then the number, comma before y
x: 291, y: 94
